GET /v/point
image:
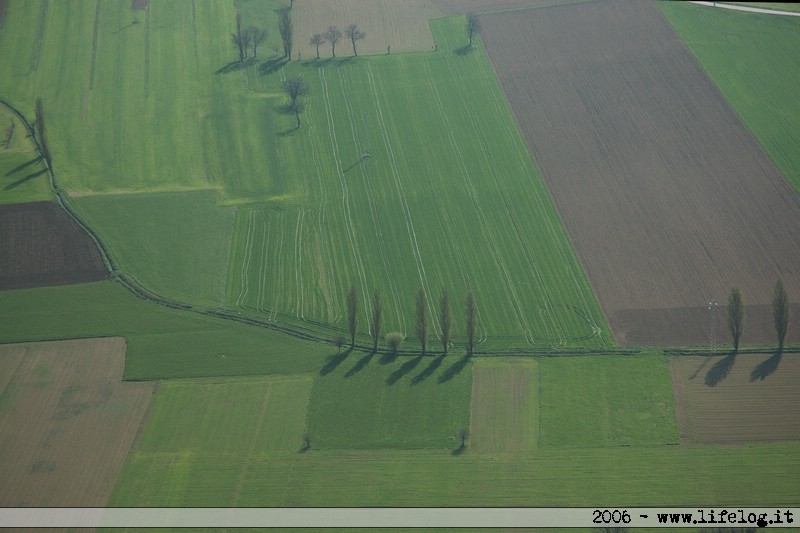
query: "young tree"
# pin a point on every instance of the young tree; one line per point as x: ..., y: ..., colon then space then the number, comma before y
x: 41, y: 132
x: 393, y: 341
x: 332, y: 36
x: 735, y: 310
x: 257, y: 37
x: 352, y: 314
x: 780, y: 313
x: 316, y: 41
x: 473, y: 26
x: 463, y: 434
x: 285, y: 28
x: 444, y: 319
x: 294, y: 88
x: 375, y: 325
x: 421, y: 325
x: 241, y: 38
x: 471, y: 311
x: 354, y: 34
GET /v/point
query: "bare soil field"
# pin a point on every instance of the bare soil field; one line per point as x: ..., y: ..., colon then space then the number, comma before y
x: 734, y: 399
x: 403, y: 26
x: 67, y: 422
x: 504, y: 406
x: 668, y: 198
x: 42, y: 246
x: 459, y: 7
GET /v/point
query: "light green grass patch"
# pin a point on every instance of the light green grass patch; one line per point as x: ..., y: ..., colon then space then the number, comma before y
x: 753, y: 60
x: 674, y: 476
x: 234, y: 416
x: 175, y: 244
x: 162, y: 342
x: 606, y: 401
x: 413, y: 402
x: 504, y: 413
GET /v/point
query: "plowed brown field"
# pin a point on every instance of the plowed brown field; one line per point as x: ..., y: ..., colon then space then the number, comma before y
x: 458, y: 7
x: 667, y: 197
x: 725, y: 399
x: 42, y: 246
x: 67, y: 423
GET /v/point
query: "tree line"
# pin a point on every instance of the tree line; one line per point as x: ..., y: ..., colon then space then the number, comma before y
x: 421, y: 321
x: 245, y: 38
x: 333, y: 35
x: 735, y: 314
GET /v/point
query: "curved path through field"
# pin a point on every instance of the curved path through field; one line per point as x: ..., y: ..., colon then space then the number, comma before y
x: 749, y: 9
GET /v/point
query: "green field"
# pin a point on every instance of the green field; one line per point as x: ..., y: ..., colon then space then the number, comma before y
x: 23, y: 176
x: 753, y: 60
x: 175, y: 244
x: 606, y: 401
x: 163, y: 343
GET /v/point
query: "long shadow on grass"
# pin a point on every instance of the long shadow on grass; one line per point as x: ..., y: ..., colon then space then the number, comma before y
x: 334, y: 361
x: 429, y: 370
x: 454, y: 370
x: 359, y: 366
x: 404, y: 369
x: 23, y: 180
x: 23, y: 165
x: 272, y: 65
x: 766, y: 367
x: 720, y: 370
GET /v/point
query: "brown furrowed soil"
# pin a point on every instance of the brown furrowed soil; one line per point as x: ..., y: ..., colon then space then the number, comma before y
x: 667, y: 197
x: 403, y: 26
x: 733, y: 399
x: 67, y: 422
x: 42, y: 246
x: 458, y: 7
x: 504, y: 406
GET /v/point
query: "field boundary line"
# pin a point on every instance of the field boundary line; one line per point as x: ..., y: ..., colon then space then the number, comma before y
x: 40, y: 34
x: 749, y: 9
x: 95, y: 33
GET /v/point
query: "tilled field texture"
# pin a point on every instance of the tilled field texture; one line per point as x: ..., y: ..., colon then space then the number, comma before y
x: 42, y: 246
x: 734, y: 399
x: 67, y: 423
x: 457, y: 7
x: 666, y: 195
x: 390, y: 26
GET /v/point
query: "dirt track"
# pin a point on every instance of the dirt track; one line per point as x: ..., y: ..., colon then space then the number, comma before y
x: 42, y: 246
x: 668, y: 198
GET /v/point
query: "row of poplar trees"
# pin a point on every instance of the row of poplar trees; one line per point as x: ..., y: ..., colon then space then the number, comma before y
x: 780, y: 314
x: 420, y: 322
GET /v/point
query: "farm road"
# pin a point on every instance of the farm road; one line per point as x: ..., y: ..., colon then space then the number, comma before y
x: 749, y: 9
x: 668, y: 198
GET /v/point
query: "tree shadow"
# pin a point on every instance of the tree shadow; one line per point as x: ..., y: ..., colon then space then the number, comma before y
x: 388, y: 358
x: 464, y: 50
x: 360, y: 160
x: 766, y: 367
x: 454, y: 369
x: 458, y: 451
x: 429, y: 370
x: 720, y: 370
x: 233, y: 66
x: 359, y: 366
x: 23, y: 180
x: 273, y: 65
x: 404, y: 369
x: 26, y: 164
x: 334, y: 361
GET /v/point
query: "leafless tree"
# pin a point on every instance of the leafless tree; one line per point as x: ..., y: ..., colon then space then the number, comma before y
x: 780, y: 313
x: 471, y: 312
x: 257, y: 36
x: 241, y: 38
x: 285, y: 28
x: 332, y: 36
x: 735, y: 310
x: 295, y: 87
x: 316, y: 41
x: 444, y: 319
x: 421, y: 324
x: 375, y: 325
x: 354, y: 34
x: 473, y: 26
x: 352, y: 314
